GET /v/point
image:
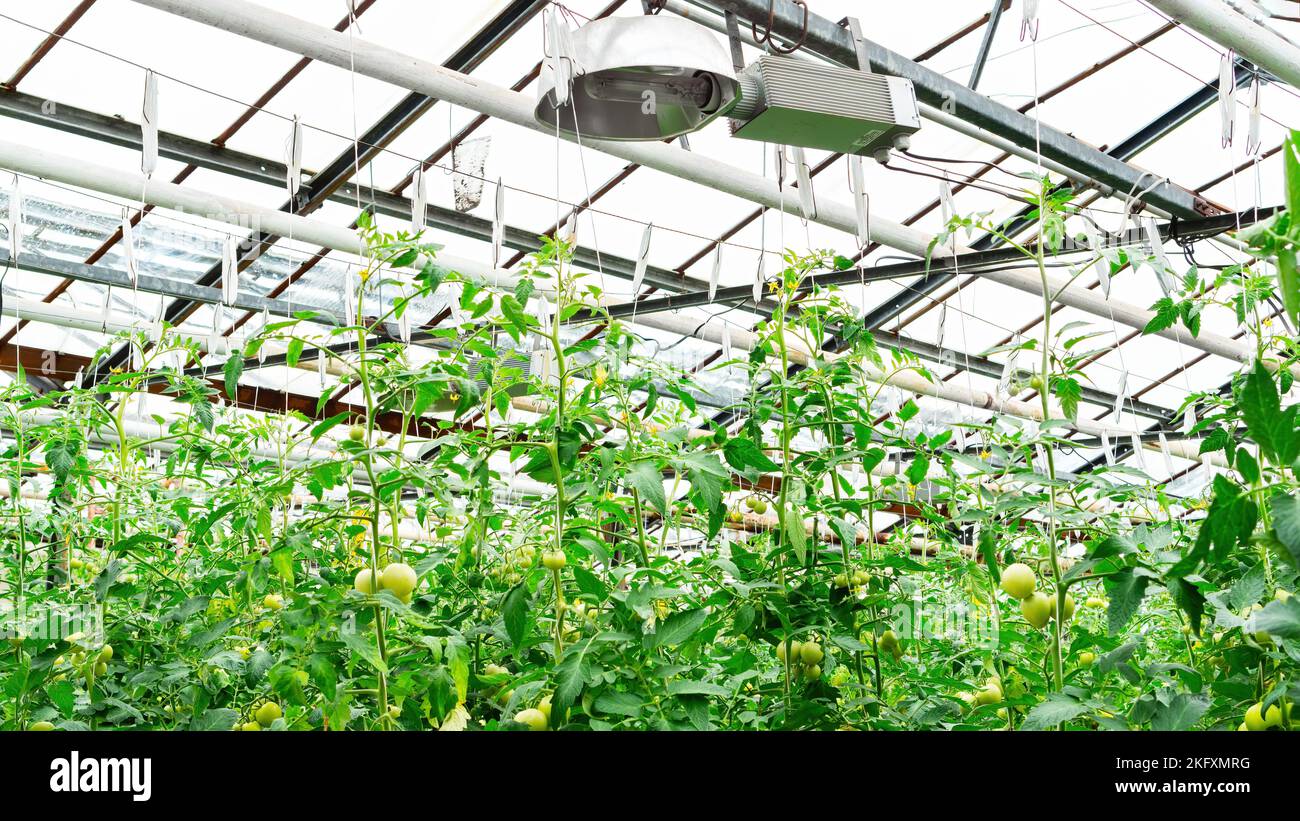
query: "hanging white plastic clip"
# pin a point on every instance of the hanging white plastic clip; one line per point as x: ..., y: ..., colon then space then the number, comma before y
x: 1135, y: 442
x: 716, y: 273
x: 76, y: 380
x: 806, y: 200
x: 1029, y: 19
x: 106, y: 310
x: 229, y: 271
x: 419, y: 200
x: 1189, y: 419
x: 149, y: 125
x: 128, y: 249
x: 261, y: 349
x: 1107, y: 450
x: 543, y: 311
x: 1102, y: 265
x: 404, y: 325
x: 498, y: 223
x: 1227, y: 98
x: 943, y: 324
x: 1121, y: 392
x: 156, y: 327
x: 947, y: 209
x: 726, y: 341
x: 214, y: 336
x: 349, y: 298
x: 559, y: 57
x: 758, y: 277
x: 642, y: 259
x: 1164, y: 269
x: 1252, y: 132
x: 1008, y: 368
x: 15, y: 222
x: 322, y: 366
x: 861, y: 203
x: 1164, y: 451
x: 294, y: 158
x: 1040, y: 463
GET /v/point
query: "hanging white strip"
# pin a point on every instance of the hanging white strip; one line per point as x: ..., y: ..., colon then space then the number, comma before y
x: 1106, y: 449
x: 1041, y: 464
x: 959, y: 437
x: 544, y: 312
x: 137, y: 355
x: 1252, y: 132
x: 156, y: 327
x: 1004, y: 382
x: 1121, y: 393
x: 861, y: 204
x: 76, y: 380
x: 642, y: 259
x: 1029, y: 19
x: 716, y: 273
x: 105, y: 310
x: 806, y: 201
x: 758, y: 277
x: 229, y: 271
x: 1164, y: 270
x: 261, y: 349
x: 149, y: 125
x: 215, y: 339
x: 946, y: 208
x: 558, y: 59
x: 404, y: 326
x: 322, y: 364
x: 349, y: 298
x: 1189, y: 418
x: 726, y: 342
x: 1227, y: 99
x: 1135, y: 442
x: 1164, y: 451
x: 419, y: 200
x: 943, y: 324
x: 15, y: 221
x: 1102, y: 265
x: 128, y: 249
x: 498, y: 223
x: 294, y: 158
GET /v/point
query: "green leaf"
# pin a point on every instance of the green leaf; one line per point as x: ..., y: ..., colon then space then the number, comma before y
x: 1181, y: 713
x: 233, y: 369
x: 361, y: 645
x: 1286, y: 523
x: 794, y: 531
x: 514, y: 611
x: 221, y: 719
x: 623, y: 704
x: 1260, y: 406
x: 1190, y: 600
x: 1288, y: 282
x: 1052, y: 711
x: 1280, y: 618
x: 648, y: 481
x: 679, y: 627
x: 742, y: 453
x: 988, y: 545
x: 1126, y: 590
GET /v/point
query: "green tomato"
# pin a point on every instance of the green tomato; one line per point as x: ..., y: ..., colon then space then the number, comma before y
x: 399, y: 579
x: 40, y: 726
x: 534, y: 718
x: 1019, y: 580
x: 554, y: 560
x: 1037, y: 610
x: 268, y: 713
x: 1258, y: 719
x: 1087, y: 659
x: 365, y: 582
x: 811, y: 653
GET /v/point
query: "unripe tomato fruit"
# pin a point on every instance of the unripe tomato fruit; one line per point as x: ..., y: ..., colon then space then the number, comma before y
x: 106, y: 652
x: 793, y: 651
x: 399, y: 579
x: 534, y: 718
x: 989, y: 695
x: 1018, y: 580
x: 812, y: 672
x: 544, y: 707
x: 811, y: 653
x: 365, y: 582
x: 1086, y: 659
x: 101, y: 669
x: 357, y: 433
x: 1257, y: 719
x: 251, y: 726
x: 268, y: 713
x: 760, y: 506
x: 40, y: 726
x: 1037, y: 610
x: 273, y: 601
x: 554, y: 560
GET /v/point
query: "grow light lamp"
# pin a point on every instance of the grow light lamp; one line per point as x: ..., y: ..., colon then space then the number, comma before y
x: 640, y: 79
